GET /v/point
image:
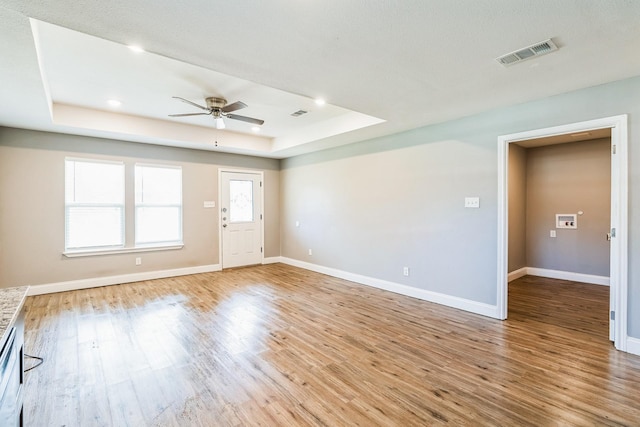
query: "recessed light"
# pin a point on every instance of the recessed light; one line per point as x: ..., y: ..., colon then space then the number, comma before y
x: 114, y: 103
x: 255, y: 129
x: 320, y: 101
x: 136, y: 49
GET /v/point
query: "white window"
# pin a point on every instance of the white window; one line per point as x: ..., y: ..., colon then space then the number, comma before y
x: 158, y: 205
x: 94, y: 204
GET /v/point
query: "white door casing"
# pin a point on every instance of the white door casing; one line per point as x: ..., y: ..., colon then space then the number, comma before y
x: 241, y: 213
x: 619, y: 216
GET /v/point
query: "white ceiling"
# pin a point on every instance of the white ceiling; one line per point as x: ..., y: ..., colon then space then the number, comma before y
x: 382, y: 66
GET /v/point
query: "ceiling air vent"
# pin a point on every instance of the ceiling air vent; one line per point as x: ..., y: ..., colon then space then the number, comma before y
x: 541, y: 48
x: 299, y: 113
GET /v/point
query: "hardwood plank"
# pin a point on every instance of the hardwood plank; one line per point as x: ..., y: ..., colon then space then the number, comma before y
x: 277, y: 345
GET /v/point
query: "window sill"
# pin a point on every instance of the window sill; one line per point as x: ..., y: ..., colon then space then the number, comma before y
x: 76, y: 254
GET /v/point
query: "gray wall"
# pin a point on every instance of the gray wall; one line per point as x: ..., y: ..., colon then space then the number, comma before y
x: 32, y: 206
x: 568, y: 178
x: 378, y: 205
x: 517, y: 207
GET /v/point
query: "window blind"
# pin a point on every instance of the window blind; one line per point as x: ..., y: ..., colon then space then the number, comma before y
x: 94, y: 204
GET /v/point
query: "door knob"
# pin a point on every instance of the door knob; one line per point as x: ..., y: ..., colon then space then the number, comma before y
x: 224, y: 225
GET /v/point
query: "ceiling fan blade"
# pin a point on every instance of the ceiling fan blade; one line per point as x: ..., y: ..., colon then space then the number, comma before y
x: 234, y: 107
x: 189, y: 114
x: 245, y: 119
x: 191, y: 103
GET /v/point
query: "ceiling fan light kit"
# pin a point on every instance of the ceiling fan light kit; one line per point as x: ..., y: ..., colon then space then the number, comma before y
x: 218, y: 109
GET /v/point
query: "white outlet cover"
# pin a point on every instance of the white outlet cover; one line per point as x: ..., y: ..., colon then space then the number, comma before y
x: 472, y: 202
x: 209, y: 204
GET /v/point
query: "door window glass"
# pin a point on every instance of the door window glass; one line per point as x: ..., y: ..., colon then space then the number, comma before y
x: 240, y: 200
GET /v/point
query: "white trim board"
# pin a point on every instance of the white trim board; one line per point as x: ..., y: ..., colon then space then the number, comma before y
x: 633, y: 345
x: 557, y: 274
x: 516, y: 274
x: 619, y: 215
x: 438, y: 298
x: 117, y: 280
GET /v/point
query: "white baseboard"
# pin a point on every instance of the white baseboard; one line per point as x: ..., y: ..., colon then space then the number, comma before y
x: 116, y: 280
x: 448, y: 300
x: 516, y: 274
x: 557, y: 274
x: 633, y: 345
x: 272, y: 260
x: 567, y: 275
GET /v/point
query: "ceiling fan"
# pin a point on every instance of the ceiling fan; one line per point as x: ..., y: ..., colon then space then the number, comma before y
x: 218, y: 108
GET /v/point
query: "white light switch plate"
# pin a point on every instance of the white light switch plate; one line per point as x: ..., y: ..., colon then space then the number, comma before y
x: 209, y: 204
x: 472, y: 202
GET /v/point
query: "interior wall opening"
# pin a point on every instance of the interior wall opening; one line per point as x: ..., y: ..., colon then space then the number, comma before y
x: 563, y: 267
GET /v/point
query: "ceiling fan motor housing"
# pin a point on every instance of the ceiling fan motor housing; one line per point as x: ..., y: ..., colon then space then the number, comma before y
x: 215, y: 103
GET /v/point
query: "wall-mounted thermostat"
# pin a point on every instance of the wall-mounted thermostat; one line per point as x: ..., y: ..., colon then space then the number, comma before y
x: 566, y: 221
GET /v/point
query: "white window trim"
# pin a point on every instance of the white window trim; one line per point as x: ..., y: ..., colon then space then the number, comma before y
x: 85, y: 253
x: 116, y: 250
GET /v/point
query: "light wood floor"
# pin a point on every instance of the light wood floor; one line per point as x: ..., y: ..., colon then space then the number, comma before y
x: 275, y: 345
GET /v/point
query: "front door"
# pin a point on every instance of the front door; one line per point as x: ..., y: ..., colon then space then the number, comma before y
x: 241, y: 218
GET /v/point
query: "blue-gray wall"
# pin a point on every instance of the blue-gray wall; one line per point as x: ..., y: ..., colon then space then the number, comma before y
x: 373, y: 207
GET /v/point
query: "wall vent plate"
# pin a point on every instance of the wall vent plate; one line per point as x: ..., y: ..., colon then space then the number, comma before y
x: 567, y: 221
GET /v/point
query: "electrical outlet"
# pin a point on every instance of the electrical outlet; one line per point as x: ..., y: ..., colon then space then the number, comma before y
x: 472, y: 202
x: 310, y: 252
x: 297, y: 223
x: 552, y: 233
x: 138, y: 261
x: 405, y: 271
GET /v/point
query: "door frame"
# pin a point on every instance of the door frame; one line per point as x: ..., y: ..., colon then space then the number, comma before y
x: 619, y: 214
x: 245, y: 171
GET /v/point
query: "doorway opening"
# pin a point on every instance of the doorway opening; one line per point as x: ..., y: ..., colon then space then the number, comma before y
x: 617, y: 126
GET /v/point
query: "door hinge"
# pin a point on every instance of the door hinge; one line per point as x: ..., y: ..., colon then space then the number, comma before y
x: 613, y: 315
x: 613, y: 232
x: 613, y: 149
x: 261, y: 181
x: 260, y: 216
x: 260, y: 249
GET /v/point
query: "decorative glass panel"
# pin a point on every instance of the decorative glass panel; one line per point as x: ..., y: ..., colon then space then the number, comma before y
x: 240, y: 200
